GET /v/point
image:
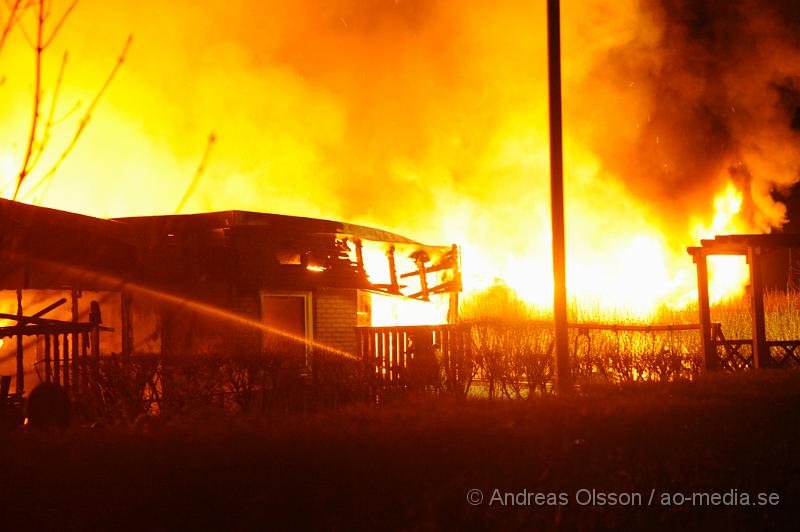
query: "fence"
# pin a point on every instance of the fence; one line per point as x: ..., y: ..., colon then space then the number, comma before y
x: 507, y: 355
x: 735, y: 355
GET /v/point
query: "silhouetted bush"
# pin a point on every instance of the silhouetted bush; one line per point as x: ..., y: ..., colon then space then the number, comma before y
x: 49, y: 407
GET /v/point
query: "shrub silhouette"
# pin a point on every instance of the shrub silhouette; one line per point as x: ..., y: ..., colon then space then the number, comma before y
x: 49, y: 407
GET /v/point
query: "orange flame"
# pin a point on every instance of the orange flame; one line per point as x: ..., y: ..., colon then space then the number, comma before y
x: 424, y: 118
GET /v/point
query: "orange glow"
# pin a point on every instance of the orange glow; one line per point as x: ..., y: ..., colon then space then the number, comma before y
x: 427, y: 119
x: 727, y: 274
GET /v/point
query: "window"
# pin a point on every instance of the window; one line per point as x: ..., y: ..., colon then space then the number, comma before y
x: 288, y: 315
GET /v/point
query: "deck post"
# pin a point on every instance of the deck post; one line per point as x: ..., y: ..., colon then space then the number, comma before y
x: 75, y: 344
x: 127, y: 326
x: 20, y: 384
x: 709, y: 352
x: 761, y: 356
x: 452, y: 310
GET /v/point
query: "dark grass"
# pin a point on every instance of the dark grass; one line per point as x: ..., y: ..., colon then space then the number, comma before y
x: 408, y: 465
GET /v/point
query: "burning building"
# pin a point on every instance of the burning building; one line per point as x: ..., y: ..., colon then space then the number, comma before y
x: 203, y: 284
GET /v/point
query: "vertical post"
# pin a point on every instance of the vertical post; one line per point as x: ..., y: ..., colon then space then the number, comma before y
x: 65, y: 351
x: 423, y: 277
x: 387, y: 362
x: 399, y: 359
x: 56, y: 360
x: 76, y: 340
x: 563, y: 374
x: 20, y: 385
x: 360, y: 255
x: 94, y: 340
x: 84, y: 363
x: 709, y: 352
x: 95, y: 319
x: 48, y: 368
x: 369, y: 362
x: 761, y: 357
x: 392, y: 270
x: 127, y: 323
x: 452, y: 310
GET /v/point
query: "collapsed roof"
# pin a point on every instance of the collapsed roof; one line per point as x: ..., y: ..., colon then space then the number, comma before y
x: 49, y: 248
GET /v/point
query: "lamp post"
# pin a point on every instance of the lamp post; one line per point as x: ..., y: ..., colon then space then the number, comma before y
x: 561, y: 343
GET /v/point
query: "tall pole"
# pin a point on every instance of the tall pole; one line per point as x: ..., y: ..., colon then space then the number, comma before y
x: 563, y: 376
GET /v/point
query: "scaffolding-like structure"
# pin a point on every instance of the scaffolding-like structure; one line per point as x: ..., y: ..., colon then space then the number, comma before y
x: 753, y: 248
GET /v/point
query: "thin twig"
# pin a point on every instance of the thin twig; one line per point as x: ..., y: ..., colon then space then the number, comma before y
x: 23, y: 173
x: 60, y: 23
x: 48, y: 126
x: 66, y: 115
x: 24, y: 31
x: 12, y: 19
x: 88, y: 115
x: 198, y: 174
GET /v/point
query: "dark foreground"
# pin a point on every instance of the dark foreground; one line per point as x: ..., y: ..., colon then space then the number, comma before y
x: 733, y: 440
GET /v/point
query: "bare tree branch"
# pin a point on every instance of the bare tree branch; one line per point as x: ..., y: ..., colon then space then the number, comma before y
x: 48, y: 126
x: 88, y: 115
x: 37, y: 94
x: 16, y: 10
x: 60, y: 23
x: 66, y: 115
x: 24, y: 31
x: 198, y: 173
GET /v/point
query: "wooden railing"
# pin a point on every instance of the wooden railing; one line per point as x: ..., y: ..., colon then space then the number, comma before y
x: 69, y: 351
x: 412, y: 356
x: 735, y: 355
x: 69, y: 356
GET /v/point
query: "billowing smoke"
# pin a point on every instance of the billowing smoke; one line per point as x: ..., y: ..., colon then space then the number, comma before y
x: 705, y: 91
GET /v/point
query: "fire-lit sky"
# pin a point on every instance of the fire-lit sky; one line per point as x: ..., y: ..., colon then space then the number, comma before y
x: 429, y: 118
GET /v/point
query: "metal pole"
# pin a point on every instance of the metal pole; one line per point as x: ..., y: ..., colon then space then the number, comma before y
x: 563, y: 375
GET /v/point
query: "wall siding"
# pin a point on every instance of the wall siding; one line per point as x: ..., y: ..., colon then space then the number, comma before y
x: 335, y: 318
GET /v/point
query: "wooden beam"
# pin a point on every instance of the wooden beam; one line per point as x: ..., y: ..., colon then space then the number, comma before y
x: 392, y: 270
x: 20, y: 385
x: 718, y: 249
x: 423, y: 278
x: 48, y: 368
x: 127, y: 326
x: 76, y: 338
x: 49, y: 307
x: 761, y: 356
x: 27, y: 320
x: 56, y: 360
x: 360, y: 255
x: 709, y: 352
x: 452, y: 310
x: 95, y: 318
x: 65, y: 358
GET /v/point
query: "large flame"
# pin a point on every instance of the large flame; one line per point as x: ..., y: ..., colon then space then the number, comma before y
x: 429, y: 119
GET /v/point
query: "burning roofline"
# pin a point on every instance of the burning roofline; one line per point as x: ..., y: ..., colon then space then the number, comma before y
x: 128, y: 246
x: 235, y: 218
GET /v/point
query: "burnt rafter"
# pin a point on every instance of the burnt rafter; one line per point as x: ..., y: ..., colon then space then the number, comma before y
x: 447, y: 261
x: 420, y: 258
x: 30, y: 324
